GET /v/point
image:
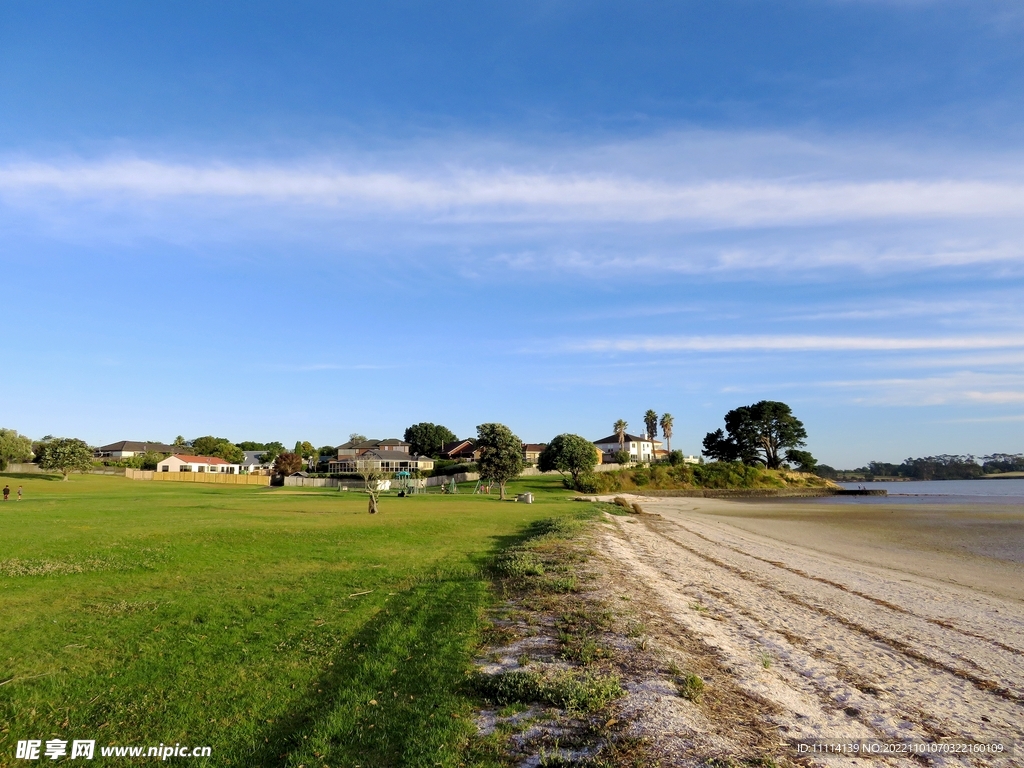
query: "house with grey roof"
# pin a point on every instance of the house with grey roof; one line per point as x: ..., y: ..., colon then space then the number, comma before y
x: 252, y: 462
x: 352, y: 448
x: 126, y: 449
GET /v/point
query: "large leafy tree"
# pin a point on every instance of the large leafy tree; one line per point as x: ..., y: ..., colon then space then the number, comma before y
x: 803, y: 460
x: 251, y: 445
x: 721, y: 448
x: 619, y: 428
x: 501, y: 457
x: 570, y: 454
x: 651, y: 424
x: 13, y: 448
x: 66, y: 455
x: 287, y: 463
x: 666, y: 430
x: 221, y: 447
x: 306, y: 450
x: 758, y: 433
x: 427, y: 439
x: 270, y: 450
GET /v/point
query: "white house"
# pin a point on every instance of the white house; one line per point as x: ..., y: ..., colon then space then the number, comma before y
x: 180, y: 462
x: 251, y: 463
x: 640, y: 449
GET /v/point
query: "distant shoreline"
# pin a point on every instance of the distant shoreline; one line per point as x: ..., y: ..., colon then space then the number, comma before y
x: 997, y: 476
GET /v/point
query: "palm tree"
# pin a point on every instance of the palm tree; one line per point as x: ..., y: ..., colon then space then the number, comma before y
x: 666, y: 429
x: 651, y: 422
x: 620, y: 429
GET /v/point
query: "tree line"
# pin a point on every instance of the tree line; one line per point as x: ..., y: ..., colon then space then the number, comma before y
x: 941, y: 467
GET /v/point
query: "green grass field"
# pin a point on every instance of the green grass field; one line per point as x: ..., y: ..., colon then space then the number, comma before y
x: 278, y: 626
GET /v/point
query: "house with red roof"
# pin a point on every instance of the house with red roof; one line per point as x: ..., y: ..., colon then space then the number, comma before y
x: 182, y: 462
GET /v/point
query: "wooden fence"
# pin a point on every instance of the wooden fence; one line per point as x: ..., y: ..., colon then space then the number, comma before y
x: 197, y: 477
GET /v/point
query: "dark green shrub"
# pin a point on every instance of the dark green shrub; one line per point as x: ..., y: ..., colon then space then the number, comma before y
x: 682, y: 473
x: 587, y: 484
x: 452, y: 468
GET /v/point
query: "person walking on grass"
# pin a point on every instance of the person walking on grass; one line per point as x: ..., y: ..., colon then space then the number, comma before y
x: 19, y: 493
x: 7, y: 492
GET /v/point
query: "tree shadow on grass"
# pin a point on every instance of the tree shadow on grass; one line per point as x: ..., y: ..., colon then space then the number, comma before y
x: 398, y: 692
x: 29, y: 476
x: 392, y: 695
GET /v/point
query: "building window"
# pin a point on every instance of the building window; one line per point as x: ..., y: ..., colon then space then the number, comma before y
x: 165, y: 468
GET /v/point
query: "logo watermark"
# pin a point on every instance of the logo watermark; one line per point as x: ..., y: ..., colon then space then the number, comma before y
x: 875, y: 747
x: 85, y: 749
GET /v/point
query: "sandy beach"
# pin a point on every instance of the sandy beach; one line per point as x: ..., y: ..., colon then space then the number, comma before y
x: 882, y: 623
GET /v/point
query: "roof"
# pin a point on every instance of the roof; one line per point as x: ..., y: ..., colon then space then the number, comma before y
x: 199, y: 459
x: 628, y: 438
x: 253, y: 457
x: 137, y: 446
x: 449, y: 447
x: 372, y: 443
x: 534, y: 447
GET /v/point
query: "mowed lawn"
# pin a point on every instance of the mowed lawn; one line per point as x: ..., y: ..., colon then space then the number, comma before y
x: 277, y: 626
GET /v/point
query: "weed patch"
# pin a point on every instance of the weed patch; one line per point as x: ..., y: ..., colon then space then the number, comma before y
x: 690, y: 687
x: 573, y: 690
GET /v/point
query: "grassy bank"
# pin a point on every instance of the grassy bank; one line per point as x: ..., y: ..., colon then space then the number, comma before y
x: 278, y: 626
x: 717, y: 476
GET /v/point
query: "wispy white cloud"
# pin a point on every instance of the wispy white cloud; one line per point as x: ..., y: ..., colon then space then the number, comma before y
x: 510, y: 195
x: 793, y: 343
x: 865, y: 255
x: 962, y: 387
x: 988, y: 419
x: 995, y: 307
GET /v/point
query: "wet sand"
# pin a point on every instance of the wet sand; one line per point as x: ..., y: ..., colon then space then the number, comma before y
x: 978, y: 546
x: 888, y: 622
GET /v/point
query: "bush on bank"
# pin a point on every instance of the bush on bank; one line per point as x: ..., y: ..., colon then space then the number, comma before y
x: 716, y: 475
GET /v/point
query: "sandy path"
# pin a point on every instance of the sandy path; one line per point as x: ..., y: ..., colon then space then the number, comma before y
x: 836, y: 647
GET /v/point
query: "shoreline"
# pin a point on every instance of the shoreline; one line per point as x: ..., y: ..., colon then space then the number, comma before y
x: 859, y: 626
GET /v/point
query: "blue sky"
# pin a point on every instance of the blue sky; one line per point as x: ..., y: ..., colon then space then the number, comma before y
x: 282, y: 221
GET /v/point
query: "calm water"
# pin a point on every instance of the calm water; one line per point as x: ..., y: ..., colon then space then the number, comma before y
x: 1008, y: 491
x: 984, y: 517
